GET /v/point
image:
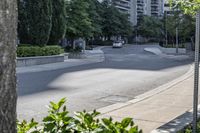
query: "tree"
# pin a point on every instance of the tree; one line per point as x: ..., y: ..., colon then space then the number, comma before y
x: 94, y: 12
x: 150, y: 27
x: 110, y: 20
x: 188, y: 6
x: 78, y: 22
x: 126, y: 28
x: 58, y: 21
x: 23, y: 22
x: 39, y: 14
x: 8, y: 37
x: 183, y: 19
x: 114, y: 22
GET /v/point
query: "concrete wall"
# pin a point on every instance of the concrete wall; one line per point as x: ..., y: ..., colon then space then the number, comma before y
x: 39, y: 60
x: 173, y: 50
x: 76, y: 56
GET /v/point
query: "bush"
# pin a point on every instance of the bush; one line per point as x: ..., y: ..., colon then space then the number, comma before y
x: 101, y: 43
x: 173, y: 45
x: 69, y: 49
x: 59, y: 121
x: 29, y: 51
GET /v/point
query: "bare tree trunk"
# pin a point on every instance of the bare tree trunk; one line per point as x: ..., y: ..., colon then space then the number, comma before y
x: 8, y: 40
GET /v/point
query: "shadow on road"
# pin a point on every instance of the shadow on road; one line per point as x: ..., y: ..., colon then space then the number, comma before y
x: 135, y: 58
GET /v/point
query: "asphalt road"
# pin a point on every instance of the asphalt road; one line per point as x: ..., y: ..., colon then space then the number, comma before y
x: 125, y: 73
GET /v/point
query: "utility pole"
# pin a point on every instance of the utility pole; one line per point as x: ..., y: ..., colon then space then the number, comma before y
x: 196, y: 74
x: 177, y: 23
x: 177, y: 39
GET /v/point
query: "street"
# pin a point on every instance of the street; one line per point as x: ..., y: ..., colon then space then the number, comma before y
x: 125, y: 73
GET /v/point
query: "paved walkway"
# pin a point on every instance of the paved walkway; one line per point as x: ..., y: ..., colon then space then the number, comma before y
x: 158, y: 107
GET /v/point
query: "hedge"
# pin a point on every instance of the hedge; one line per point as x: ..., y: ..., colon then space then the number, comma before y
x: 101, y: 42
x: 29, y: 51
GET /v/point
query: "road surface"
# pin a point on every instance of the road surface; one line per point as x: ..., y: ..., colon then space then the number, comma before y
x: 125, y: 73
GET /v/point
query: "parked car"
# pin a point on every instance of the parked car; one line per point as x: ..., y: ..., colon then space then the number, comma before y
x: 117, y: 44
x: 122, y: 41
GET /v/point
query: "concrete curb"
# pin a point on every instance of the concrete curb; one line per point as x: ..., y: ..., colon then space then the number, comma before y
x: 68, y: 63
x: 146, y: 95
x: 178, y: 123
x: 155, y: 51
x: 158, y: 51
x: 39, y: 60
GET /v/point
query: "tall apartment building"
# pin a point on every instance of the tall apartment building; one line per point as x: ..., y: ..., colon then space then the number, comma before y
x: 147, y: 7
x: 138, y: 8
x: 126, y: 6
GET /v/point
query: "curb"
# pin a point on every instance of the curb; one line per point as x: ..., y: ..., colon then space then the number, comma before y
x: 148, y: 94
x: 157, y: 51
x: 62, y: 65
x: 178, y: 124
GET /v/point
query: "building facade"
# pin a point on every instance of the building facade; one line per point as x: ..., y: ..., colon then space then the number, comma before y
x: 137, y: 8
x: 153, y: 8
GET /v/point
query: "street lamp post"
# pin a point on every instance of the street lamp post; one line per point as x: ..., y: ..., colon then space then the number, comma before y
x: 196, y: 74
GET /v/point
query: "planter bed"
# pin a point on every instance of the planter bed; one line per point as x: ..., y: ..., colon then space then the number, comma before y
x: 76, y: 55
x: 39, y: 60
x: 173, y: 50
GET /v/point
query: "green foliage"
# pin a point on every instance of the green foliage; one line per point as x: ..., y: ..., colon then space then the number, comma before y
x: 184, y: 23
x: 174, y: 46
x: 58, y: 21
x: 29, y: 51
x: 188, y: 6
x: 49, y: 21
x: 23, y: 24
x: 150, y: 27
x: 94, y: 12
x: 114, y: 22
x: 101, y: 42
x: 78, y: 22
x: 39, y: 14
x: 24, y: 127
x: 71, y: 50
x: 188, y: 129
x: 59, y: 121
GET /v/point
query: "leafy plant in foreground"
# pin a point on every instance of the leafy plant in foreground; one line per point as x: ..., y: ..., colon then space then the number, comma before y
x: 59, y: 121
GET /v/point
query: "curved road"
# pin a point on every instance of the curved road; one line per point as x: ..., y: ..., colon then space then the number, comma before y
x: 125, y: 73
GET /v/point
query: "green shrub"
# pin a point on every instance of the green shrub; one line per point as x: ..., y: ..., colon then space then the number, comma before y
x: 174, y: 46
x: 59, y: 121
x: 101, y: 43
x: 29, y: 51
x: 188, y: 129
x: 69, y: 49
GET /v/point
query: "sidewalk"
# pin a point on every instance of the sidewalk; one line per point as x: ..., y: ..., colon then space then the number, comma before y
x: 91, y: 56
x: 157, y: 107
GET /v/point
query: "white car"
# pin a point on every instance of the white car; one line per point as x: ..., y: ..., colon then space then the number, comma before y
x: 117, y: 44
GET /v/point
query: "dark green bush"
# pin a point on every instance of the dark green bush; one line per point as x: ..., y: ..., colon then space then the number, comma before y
x: 29, y: 51
x: 69, y: 49
x: 101, y: 43
x: 188, y: 129
x: 59, y: 121
x: 174, y: 46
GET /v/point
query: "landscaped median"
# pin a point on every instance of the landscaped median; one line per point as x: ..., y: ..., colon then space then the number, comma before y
x: 35, y: 55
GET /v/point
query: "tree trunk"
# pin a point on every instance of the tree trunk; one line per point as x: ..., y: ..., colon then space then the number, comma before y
x: 8, y: 41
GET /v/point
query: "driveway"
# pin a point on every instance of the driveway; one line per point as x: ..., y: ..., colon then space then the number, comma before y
x: 125, y: 73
